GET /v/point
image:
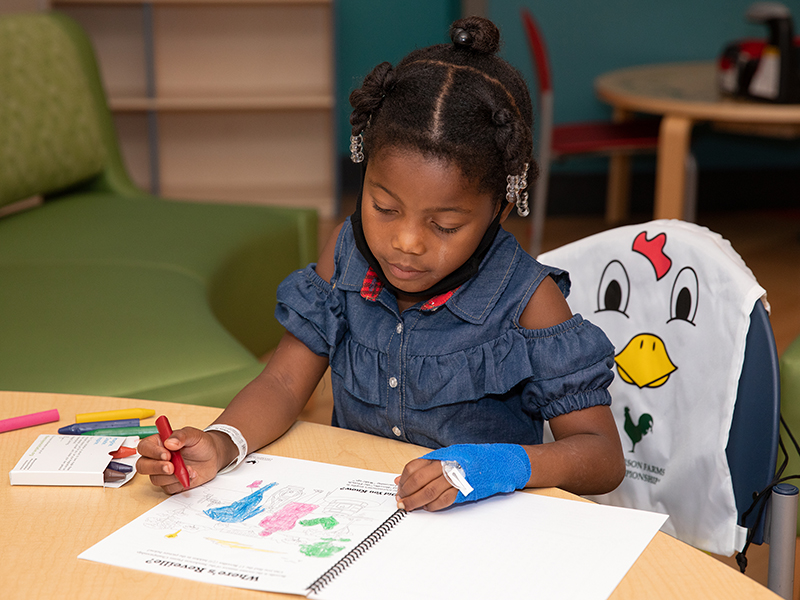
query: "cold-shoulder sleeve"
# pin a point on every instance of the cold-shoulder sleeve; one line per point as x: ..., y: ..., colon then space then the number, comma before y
x: 309, y: 310
x: 571, y: 365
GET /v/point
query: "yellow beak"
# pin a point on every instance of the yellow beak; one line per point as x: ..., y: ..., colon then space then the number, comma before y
x: 644, y: 362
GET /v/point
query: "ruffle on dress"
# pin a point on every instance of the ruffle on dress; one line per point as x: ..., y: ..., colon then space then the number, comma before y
x: 557, y: 378
x: 562, y: 368
x: 309, y: 310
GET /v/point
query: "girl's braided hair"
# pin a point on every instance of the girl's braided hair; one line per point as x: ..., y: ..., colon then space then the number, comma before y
x: 458, y: 101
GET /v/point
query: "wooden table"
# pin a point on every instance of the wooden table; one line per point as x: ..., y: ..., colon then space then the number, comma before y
x: 45, y: 528
x: 685, y: 94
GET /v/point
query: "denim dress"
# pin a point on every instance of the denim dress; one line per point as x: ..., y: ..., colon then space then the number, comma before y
x: 456, y: 369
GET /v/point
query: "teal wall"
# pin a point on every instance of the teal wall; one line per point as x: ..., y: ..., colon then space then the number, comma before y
x: 372, y: 31
x: 585, y: 39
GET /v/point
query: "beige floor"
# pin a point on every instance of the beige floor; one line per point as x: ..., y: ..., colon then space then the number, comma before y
x: 768, y: 241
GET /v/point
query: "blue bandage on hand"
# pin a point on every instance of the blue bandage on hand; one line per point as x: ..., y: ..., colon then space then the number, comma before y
x: 488, y: 468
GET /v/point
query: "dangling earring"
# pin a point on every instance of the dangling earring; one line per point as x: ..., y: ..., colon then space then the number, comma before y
x: 357, y: 148
x: 515, y: 184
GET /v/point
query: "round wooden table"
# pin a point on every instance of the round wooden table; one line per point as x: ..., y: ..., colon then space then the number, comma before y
x: 43, y: 528
x: 685, y: 94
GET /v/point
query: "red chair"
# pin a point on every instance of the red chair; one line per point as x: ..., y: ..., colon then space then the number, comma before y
x: 593, y: 137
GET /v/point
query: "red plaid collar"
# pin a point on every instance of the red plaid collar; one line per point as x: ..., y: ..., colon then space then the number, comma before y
x: 372, y: 286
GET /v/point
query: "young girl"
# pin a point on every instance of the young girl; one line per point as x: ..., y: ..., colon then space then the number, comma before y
x: 438, y: 328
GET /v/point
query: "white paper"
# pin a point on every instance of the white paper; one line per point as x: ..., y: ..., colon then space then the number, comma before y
x: 276, y: 540
x: 289, y: 521
x: 512, y: 546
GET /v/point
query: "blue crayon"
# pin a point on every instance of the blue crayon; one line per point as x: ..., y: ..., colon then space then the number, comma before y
x: 120, y: 467
x: 79, y: 428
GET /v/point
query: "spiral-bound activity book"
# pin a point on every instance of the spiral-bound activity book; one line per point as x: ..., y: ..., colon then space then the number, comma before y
x: 329, y: 532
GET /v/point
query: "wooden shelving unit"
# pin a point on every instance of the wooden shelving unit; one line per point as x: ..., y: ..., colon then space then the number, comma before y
x: 228, y: 100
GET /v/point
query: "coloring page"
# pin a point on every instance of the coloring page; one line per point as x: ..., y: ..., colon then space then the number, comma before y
x: 273, y: 524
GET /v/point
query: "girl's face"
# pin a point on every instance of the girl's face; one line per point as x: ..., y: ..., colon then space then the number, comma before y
x: 422, y: 218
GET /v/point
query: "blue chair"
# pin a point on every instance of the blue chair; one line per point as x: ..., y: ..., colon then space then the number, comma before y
x: 755, y: 429
x: 752, y: 453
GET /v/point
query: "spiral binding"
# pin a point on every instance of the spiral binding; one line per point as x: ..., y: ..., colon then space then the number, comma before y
x: 354, y: 554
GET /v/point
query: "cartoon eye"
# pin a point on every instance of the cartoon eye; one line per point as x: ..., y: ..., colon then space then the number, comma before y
x: 683, y: 299
x: 615, y: 289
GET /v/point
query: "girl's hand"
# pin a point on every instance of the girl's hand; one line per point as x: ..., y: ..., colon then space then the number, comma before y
x: 201, y: 452
x: 422, y: 485
x: 485, y: 470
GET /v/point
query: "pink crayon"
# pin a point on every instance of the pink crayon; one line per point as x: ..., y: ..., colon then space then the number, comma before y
x: 47, y: 416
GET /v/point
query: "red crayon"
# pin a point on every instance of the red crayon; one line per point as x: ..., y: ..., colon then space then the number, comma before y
x: 123, y: 452
x: 164, y: 431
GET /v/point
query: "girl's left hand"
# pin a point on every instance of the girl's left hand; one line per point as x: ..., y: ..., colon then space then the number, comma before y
x: 422, y: 485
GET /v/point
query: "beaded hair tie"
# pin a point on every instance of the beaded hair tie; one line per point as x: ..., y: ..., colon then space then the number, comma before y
x: 515, y: 193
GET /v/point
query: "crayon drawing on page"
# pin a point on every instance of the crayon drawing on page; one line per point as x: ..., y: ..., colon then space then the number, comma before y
x: 289, y: 520
x: 273, y: 524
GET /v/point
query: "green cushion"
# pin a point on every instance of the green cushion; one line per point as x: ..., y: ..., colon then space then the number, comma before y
x: 108, y: 330
x: 790, y: 382
x: 105, y: 289
x: 239, y: 253
x: 790, y: 406
x: 215, y: 390
x: 193, y: 237
x: 50, y: 136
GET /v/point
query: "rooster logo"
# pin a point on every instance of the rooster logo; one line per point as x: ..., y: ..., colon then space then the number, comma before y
x: 636, y: 431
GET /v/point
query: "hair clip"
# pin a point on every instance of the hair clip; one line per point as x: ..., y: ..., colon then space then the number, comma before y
x: 515, y: 193
x: 357, y: 148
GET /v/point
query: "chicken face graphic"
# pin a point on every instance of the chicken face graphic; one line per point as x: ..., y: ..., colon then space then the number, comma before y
x: 645, y: 361
x: 674, y: 299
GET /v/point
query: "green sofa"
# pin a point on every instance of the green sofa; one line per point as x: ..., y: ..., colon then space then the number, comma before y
x: 790, y: 408
x: 105, y: 289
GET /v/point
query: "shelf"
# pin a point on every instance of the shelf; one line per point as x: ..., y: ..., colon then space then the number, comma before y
x: 57, y: 3
x: 134, y: 144
x: 310, y: 197
x: 220, y: 100
x: 227, y: 155
x: 246, y: 51
x: 118, y: 37
x: 263, y: 103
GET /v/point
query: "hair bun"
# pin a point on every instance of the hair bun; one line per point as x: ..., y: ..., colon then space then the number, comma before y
x: 476, y: 33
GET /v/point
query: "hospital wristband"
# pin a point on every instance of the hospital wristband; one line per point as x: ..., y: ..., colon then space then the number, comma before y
x: 237, y: 438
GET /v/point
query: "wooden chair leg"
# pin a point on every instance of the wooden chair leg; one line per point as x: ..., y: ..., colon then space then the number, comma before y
x: 690, y: 194
x: 673, y: 147
x: 618, y: 192
x: 619, y: 189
